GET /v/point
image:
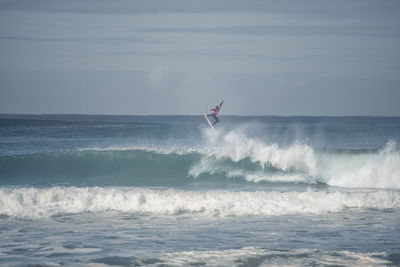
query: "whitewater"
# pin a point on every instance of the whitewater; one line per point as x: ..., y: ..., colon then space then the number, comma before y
x: 168, y: 190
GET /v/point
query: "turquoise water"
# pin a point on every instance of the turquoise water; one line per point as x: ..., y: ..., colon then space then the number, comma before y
x: 168, y: 190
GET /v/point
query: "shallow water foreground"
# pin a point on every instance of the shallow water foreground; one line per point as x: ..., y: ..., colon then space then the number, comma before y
x: 348, y: 238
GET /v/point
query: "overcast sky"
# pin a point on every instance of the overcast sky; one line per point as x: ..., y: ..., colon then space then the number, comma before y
x: 311, y: 57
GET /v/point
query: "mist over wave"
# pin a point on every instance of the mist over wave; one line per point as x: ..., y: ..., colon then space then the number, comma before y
x: 45, y: 202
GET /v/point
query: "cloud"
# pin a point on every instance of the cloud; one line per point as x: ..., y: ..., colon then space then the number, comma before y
x: 158, y: 76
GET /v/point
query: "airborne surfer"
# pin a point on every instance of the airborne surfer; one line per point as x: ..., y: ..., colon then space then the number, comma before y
x: 215, y: 112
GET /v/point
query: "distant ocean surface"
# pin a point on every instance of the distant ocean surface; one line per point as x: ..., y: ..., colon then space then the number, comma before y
x: 104, y: 190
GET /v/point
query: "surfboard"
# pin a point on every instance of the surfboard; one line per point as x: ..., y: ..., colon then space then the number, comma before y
x: 209, y: 122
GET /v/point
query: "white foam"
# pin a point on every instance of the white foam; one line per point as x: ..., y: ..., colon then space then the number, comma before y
x: 211, y: 166
x: 249, y: 256
x: 374, y: 170
x: 37, y: 203
x: 236, y: 146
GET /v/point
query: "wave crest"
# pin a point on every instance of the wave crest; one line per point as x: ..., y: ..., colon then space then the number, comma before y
x: 237, y: 146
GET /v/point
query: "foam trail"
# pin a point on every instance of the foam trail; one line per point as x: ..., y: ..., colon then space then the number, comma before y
x: 38, y: 203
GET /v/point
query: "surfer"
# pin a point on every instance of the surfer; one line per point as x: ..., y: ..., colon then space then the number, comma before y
x: 215, y: 112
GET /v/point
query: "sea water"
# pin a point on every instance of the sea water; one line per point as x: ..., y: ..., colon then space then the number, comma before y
x: 169, y: 191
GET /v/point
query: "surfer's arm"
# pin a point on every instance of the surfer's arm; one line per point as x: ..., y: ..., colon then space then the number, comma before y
x: 220, y: 105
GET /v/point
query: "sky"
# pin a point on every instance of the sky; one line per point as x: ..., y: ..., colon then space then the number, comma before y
x: 173, y: 57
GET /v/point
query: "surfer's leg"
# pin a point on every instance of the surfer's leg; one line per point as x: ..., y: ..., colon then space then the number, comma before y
x: 215, y: 118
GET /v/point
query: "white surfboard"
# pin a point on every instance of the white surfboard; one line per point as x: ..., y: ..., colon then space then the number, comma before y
x: 209, y: 122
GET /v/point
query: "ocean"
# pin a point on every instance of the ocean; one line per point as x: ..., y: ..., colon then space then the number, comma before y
x: 100, y: 190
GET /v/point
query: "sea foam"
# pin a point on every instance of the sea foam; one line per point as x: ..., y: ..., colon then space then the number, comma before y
x: 373, y: 170
x: 46, y: 202
x: 237, y: 146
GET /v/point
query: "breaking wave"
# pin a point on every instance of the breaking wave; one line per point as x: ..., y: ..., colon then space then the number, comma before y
x: 231, y: 156
x: 46, y: 202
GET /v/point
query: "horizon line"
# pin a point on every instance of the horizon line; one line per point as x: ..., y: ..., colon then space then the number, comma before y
x: 200, y: 114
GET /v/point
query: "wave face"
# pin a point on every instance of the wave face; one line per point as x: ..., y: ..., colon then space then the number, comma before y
x: 115, y: 167
x: 45, y: 202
